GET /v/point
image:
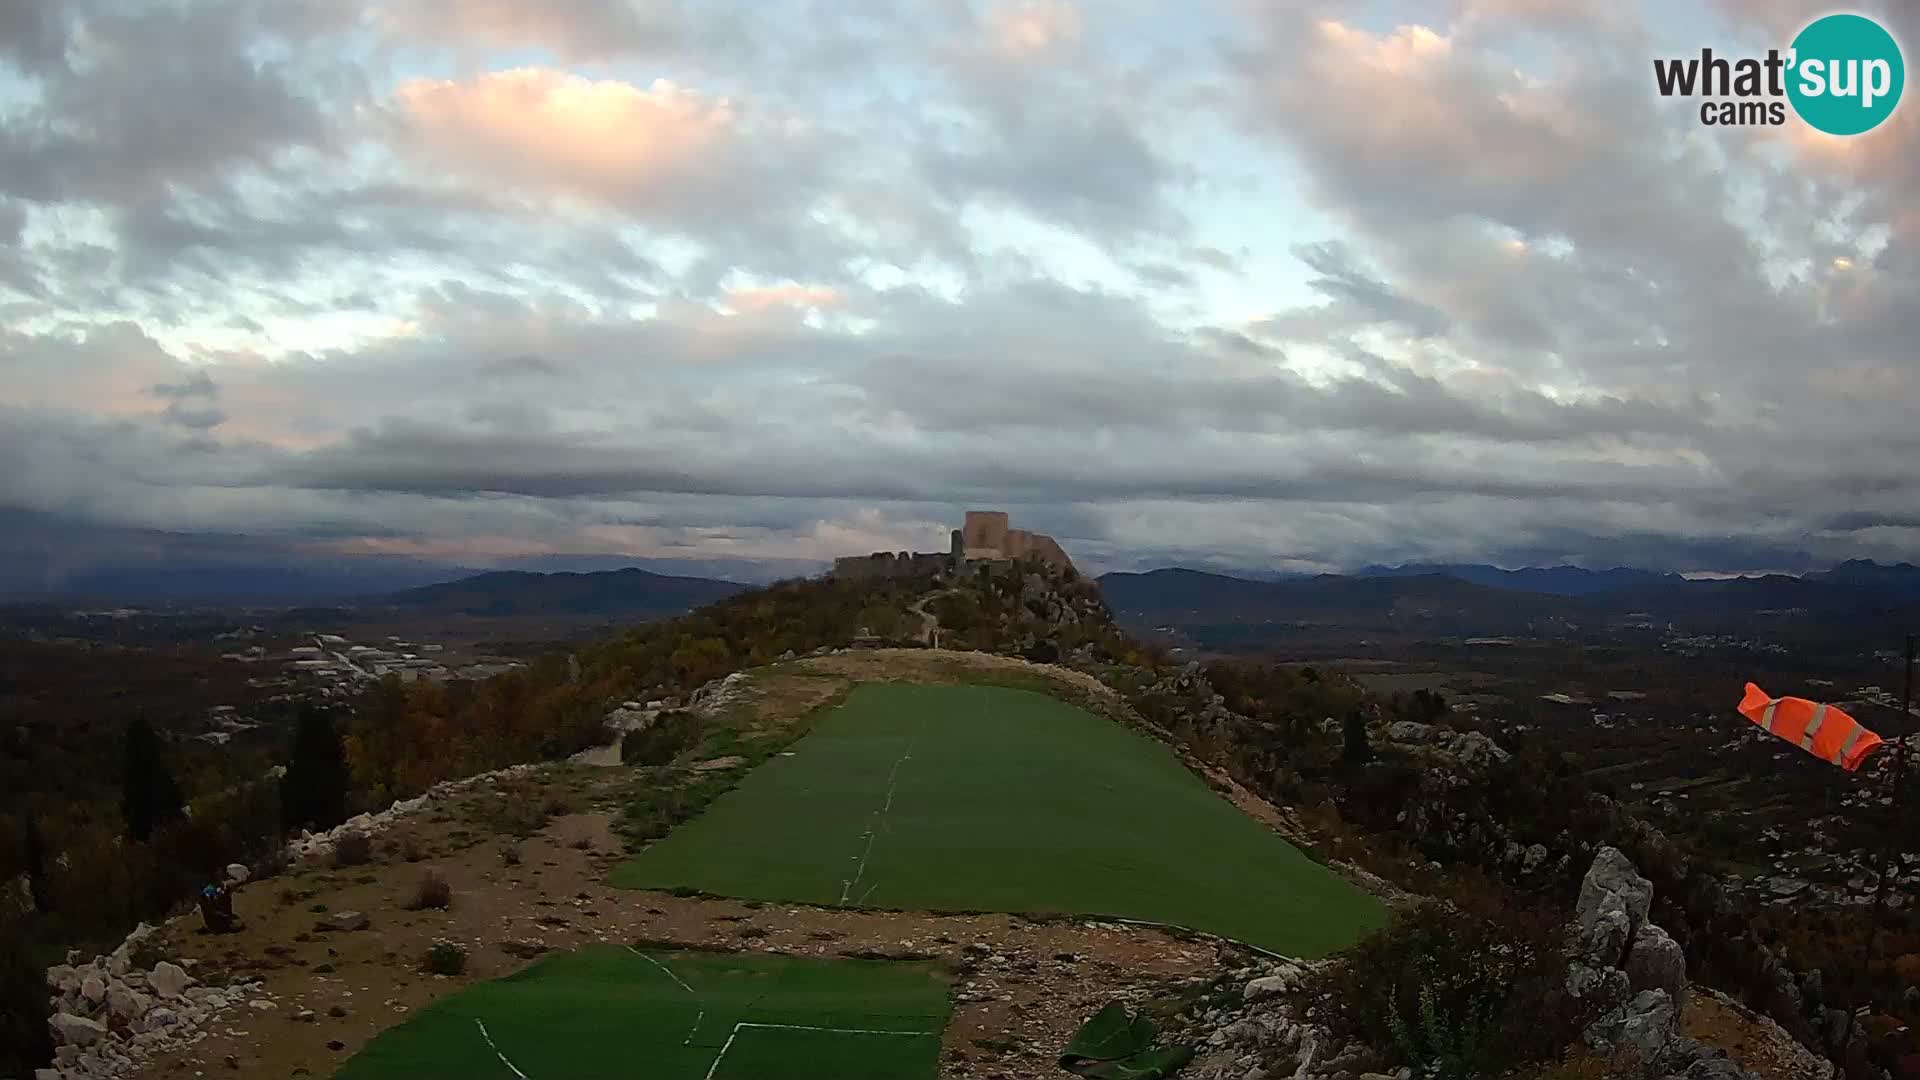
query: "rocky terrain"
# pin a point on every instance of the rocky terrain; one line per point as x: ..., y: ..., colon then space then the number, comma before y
x: 1262, y: 1023
x: 331, y: 951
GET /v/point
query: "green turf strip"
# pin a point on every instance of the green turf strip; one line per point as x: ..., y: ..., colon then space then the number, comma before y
x: 610, y: 1012
x: 970, y: 798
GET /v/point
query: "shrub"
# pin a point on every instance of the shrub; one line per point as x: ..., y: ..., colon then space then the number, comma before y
x: 1463, y: 994
x: 446, y: 958
x: 510, y: 855
x: 671, y: 735
x: 432, y: 892
x: 517, y: 813
x: 352, y: 849
x: 25, y: 1043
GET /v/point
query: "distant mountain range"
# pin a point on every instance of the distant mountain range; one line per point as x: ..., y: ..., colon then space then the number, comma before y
x: 1487, y: 600
x: 630, y: 592
x: 1553, y: 580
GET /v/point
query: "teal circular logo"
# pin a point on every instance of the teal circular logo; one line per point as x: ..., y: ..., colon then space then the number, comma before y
x: 1846, y: 74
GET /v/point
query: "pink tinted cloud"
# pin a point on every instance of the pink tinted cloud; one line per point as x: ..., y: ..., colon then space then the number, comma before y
x: 607, y: 140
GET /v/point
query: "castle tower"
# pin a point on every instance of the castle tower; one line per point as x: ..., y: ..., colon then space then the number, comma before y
x: 984, y: 535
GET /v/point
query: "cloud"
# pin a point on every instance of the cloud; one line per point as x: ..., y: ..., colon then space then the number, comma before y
x: 575, y: 29
x: 1372, y: 282
x: 146, y: 97
x: 192, y: 402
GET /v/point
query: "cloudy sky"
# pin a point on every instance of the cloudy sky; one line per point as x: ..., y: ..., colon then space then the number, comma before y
x: 1277, y: 285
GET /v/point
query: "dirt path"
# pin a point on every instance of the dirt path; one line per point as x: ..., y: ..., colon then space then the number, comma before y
x: 1021, y: 987
x: 929, y: 622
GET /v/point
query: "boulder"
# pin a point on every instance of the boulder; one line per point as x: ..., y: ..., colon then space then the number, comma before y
x: 1476, y: 750
x: 1656, y: 961
x: 93, y: 988
x: 125, y: 1005
x: 1535, y: 855
x: 1614, y: 873
x: 345, y: 920
x: 1645, y: 1025
x: 1605, y: 985
x: 1715, y: 1066
x: 169, y: 980
x: 1408, y: 731
x: 75, y: 1030
x: 1603, y: 936
x: 1269, y: 986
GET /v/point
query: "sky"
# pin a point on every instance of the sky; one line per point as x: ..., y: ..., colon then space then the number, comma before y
x: 1282, y: 285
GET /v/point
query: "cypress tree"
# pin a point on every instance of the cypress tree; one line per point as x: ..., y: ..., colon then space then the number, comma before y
x: 36, y: 857
x: 149, y: 795
x: 313, y: 793
x: 1357, y: 751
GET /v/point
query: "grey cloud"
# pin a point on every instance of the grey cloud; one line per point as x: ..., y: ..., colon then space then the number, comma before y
x: 161, y: 95
x: 33, y: 34
x: 192, y: 403
x: 1551, y: 322
x: 1342, y: 279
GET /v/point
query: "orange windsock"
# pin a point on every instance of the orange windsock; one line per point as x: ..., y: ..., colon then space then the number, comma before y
x: 1821, y: 730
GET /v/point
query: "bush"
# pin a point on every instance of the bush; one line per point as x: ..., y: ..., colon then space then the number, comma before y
x: 1465, y: 995
x: 352, y: 849
x: 671, y: 735
x: 25, y: 1044
x: 446, y: 958
x: 517, y: 815
x: 433, y: 892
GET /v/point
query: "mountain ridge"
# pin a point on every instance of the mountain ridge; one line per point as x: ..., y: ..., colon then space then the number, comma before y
x: 626, y: 591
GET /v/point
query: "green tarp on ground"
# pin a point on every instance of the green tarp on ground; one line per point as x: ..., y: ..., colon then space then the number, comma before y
x: 1115, y: 1046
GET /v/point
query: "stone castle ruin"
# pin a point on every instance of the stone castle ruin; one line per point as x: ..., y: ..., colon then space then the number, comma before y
x: 983, y: 539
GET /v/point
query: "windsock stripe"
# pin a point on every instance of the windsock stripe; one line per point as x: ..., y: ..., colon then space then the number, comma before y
x: 1813, y: 727
x: 1847, y: 747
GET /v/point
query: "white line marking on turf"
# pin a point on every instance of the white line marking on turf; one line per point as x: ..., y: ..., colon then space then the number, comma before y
x: 724, y: 1047
x: 738, y: 1028
x: 833, y: 1030
x: 698, y: 1020
x: 511, y: 1067
x: 662, y: 967
x: 878, y: 819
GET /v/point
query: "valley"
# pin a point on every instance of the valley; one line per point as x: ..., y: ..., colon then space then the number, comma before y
x: 1043, y: 817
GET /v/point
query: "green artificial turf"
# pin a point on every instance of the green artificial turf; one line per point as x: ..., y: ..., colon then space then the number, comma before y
x: 973, y: 798
x: 608, y: 1011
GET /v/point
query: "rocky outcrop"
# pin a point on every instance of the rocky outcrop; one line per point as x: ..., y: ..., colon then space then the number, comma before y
x: 319, y: 845
x: 1628, y: 965
x: 1656, y: 962
x: 720, y: 694
x: 110, y: 1016
x: 1259, y: 1033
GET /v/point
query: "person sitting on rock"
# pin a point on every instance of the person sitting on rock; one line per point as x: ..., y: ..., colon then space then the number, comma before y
x: 216, y: 901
